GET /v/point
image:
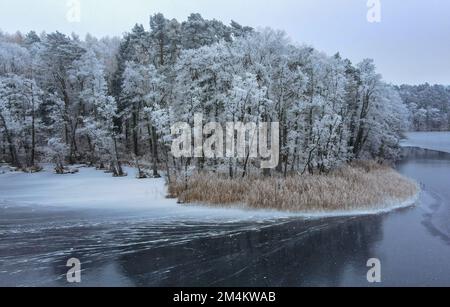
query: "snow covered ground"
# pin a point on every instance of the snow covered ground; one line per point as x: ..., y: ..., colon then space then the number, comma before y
x: 96, y: 190
x: 93, y: 189
x: 439, y: 141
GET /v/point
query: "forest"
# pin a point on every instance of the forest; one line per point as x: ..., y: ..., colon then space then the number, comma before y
x: 428, y: 105
x: 107, y: 101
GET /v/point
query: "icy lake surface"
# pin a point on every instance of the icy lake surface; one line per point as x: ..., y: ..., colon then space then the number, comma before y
x: 126, y: 233
x: 439, y: 141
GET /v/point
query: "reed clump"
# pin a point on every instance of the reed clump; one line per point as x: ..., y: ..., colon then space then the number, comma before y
x: 361, y: 185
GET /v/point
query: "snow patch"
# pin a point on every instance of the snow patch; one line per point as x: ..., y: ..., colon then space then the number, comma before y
x: 93, y: 189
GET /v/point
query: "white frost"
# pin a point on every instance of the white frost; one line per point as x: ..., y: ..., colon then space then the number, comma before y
x: 94, y: 189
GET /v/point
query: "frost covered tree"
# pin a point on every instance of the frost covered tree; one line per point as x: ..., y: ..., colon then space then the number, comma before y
x: 429, y: 106
x: 96, y: 112
x: 20, y: 101
x: 113, y: 100
x: 57, y: 59
x: 143, y: 89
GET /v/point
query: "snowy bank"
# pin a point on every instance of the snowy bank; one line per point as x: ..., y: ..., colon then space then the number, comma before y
x: 93, y: 189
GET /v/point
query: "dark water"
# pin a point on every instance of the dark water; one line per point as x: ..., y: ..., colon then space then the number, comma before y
x: 123, y: 249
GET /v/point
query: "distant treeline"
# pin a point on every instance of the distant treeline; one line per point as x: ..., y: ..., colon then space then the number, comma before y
x: 429, y: 106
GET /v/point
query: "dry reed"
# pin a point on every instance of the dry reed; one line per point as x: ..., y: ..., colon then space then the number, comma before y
x: 362, y: 185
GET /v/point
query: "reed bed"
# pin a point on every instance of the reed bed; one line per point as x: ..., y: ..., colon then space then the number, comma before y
x: 361, y: 185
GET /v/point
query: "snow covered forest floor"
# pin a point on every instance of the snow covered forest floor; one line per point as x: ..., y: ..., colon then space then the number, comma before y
x: 93, y: 189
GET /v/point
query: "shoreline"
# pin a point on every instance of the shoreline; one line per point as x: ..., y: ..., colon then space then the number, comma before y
x: 427, y: 141
x: 391, y: 207
x: 359, y: 188
x: 147, y: 201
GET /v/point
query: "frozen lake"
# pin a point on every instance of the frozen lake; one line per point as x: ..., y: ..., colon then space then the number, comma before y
x: 439, y: 141
x: 42, y: 225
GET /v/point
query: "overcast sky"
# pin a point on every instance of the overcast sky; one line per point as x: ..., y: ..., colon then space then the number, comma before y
x: 411, y: 44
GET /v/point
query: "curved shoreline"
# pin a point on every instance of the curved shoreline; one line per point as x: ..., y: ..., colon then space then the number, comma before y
x: 356, y: 189
x: 428, y: 141
x: 385, y: 209
x: 62, y: 199
x: 391, y: 207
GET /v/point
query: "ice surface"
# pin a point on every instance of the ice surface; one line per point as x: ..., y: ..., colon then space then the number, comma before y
x: 94, y: 189
x: 439, y: 141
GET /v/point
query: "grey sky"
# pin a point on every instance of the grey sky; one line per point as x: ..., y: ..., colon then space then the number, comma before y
x: 410, y: 45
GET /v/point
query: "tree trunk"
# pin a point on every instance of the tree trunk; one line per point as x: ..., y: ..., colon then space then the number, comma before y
x: 12, y: 148
x: 155, y: 153
x: 118, y: 169
x: 33, y: 139
x: 135, y: 133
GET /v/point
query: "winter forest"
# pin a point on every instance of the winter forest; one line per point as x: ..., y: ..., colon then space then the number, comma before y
x: 429, y: 106
x: 111, y: 101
